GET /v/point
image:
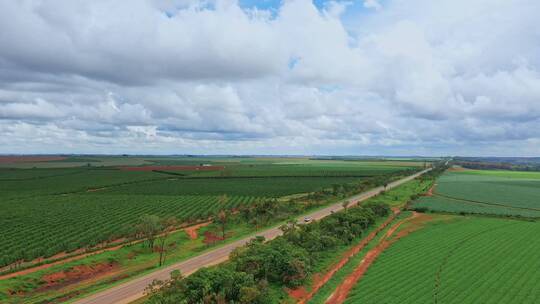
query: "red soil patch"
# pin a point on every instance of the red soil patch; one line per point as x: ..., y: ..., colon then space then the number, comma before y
x: 192, y: 231
x: 211, y: 238
x: 431, y: 190
x: 28, y: 159
x: 342, y: 291
x: 302, y: 296
x: 63, y: 261
x: 299, y: 293
x: 173, y: 168
x: 74, y: 275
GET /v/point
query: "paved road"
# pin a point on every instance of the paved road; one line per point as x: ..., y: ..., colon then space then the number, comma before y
x: 133, y: 290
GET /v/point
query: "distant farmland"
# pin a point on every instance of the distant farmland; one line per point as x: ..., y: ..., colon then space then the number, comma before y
x: 75, y: 202
x: 505, y: 193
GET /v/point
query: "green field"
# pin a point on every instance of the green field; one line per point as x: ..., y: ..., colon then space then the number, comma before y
x: 260, y: 187
x: 505, y: 193
x: 59, y: 207
x: 66, y: 223
x: 443, y: 204
x: 461, y: 260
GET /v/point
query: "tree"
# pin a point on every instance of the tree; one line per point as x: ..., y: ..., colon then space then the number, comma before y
x: 346, y: 204
x: 168, y: 291
x: 168, y: 226
x: 222, y: 218
x: 149, y: 227
x: 276, y: 262
x: 289, y: 227
x: 223, y: 200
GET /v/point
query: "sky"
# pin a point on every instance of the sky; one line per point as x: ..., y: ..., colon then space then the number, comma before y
x: 358, y: 77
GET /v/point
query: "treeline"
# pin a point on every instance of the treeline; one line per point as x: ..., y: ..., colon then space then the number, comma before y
x: 436, y: 170
x: 286, y: 261
x: 495, y: 165
x: 349, y: 189
x: 264, y: 211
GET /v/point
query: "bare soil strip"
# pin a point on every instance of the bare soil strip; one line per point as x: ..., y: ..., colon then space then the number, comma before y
x: 431, y: 190
x: 342, y: 291
x: 302, y: 295
x: 192, y: 230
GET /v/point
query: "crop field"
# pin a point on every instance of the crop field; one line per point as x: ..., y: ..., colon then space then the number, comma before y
x: 62, y: 204
x: 457, y: 260
x: 443, y: 204
x: 69, y: 222
x: 21, y: 183
x: 261, y: 187
x: 505, y: 193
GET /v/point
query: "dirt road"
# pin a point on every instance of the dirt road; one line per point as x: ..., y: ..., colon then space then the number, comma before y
x: 133, y: 290
x: 342, y: 291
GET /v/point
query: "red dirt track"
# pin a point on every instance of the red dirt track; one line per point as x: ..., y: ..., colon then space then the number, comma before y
x: 173, y: 168
x: 342, y: 291
x: 431, y: 190
x: 302, y: 295
x: 192, y: 231
x: 28, y: 159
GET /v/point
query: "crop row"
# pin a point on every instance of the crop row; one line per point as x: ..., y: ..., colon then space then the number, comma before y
x: 516, y: 192
x: 55, y: 181
x: 443, y: 204
x: 52, y: 224
x: 263, y: 186
x: 469, y: 260
x: 301, y: 170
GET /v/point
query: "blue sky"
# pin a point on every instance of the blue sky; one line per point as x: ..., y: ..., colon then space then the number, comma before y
x: 415, y: 77
x: 355, y: 9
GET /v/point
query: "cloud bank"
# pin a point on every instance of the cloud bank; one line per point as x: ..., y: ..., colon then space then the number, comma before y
x: 374, y: 77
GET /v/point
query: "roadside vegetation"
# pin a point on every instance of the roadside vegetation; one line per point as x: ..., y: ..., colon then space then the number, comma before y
x: 258, y: 267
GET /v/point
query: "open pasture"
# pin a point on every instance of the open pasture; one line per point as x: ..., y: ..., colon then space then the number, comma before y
x: 457, y: 260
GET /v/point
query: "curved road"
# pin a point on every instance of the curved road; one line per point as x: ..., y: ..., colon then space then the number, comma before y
x: 133, y: 290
